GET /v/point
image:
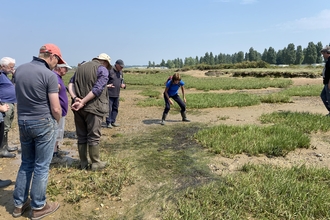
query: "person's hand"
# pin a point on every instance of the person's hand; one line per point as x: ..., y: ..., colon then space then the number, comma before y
x: 184, y: 99
x: 77, y: 106
x: 171, y: 102
x: 123, y: 86
x: 76, y: 99
x: 110, y: 86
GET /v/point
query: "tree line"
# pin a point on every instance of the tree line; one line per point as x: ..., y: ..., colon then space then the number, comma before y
x: 289, y: 55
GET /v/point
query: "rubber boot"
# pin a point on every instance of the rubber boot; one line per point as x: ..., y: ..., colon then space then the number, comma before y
x: 184, y: 117
x: 94, y: 154
x: 5, y: 143
x: 3, y: 149
x: 82, y: 150
x: 163, y: 119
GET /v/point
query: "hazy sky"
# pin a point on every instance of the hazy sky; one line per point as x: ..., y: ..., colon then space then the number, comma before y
x: 139, y: 31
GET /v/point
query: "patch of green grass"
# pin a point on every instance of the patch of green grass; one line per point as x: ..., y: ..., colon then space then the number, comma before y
x: 76, y: 185
x: 274, y: 140
x: 301, y: 121
x: 258, y: 192
x: 227, y: 83
x: 306, y: 90
x: 210, y: 100
x: 275, y: 98
x: 150, y: 93
x: 209, y: 83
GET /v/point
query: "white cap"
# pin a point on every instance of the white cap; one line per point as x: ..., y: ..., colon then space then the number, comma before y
x: 64, y: 65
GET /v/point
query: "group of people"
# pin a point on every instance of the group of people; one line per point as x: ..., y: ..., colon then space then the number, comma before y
x: 41, y: 100
x: 40, y: 96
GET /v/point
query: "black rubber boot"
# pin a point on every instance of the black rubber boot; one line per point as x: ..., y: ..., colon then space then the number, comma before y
x: 5, y: 143
x: 163, y: 119
x: 184, y: 117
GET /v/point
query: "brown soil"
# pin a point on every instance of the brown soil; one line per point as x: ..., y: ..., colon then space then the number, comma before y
x: 134, y: 119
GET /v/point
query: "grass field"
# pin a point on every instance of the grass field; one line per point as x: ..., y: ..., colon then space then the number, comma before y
x: 173, y: 179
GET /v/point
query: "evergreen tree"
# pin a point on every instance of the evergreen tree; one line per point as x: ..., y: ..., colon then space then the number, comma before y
x: 271, y: 56
x: 163, y: 63
x: 311, y: 54
x: 170, y: 64
x: 290, y: 55
x: 252, y: 54
x: 240, y: 57
x: 211, y: 61
x: 264, y: 55
x: 279, y: 57
x: 207, y: 58
x: 299, y: 55
x: 319, y: 47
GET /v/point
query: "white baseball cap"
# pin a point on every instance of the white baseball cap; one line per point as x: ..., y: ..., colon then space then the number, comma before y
x: 64, y: 65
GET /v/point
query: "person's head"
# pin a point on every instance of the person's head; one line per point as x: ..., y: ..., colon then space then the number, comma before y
x: 325, y: 52
x: 62, y: 69
x: 176, y: 78
x: 7, y: 65
x: 119, y: 64
x: 104, y: 59
x: 51, y: 54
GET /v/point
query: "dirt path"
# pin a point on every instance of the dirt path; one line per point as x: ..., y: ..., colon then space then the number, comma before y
x: 134, y: 119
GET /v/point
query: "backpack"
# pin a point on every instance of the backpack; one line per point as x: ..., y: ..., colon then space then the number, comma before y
x: 168, y: 79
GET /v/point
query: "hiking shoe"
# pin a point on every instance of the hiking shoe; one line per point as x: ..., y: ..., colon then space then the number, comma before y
x: 58, y: 159
x: 114, y: 125
x: 109, y: 126
x: 162, y: 122
x: 4, y: 183
x: 104, y: 125
x: 19, y: 211
x: 48, y: 209
x: 11, y: 149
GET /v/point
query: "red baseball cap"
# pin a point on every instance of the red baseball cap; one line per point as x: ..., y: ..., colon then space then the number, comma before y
x: 52, y: 49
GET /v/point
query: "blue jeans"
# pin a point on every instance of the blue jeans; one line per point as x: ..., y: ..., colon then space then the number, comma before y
x: 37, y: 142
x: 113, y: 110
x: 325, y: 96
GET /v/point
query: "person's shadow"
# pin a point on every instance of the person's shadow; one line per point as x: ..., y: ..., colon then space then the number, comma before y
x: 157, y: 121
x: 6, y: 200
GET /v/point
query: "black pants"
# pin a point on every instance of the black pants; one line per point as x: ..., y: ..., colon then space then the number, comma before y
x: 178, y: 100
x: 2, y: 131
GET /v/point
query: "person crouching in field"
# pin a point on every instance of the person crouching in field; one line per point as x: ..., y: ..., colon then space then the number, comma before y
x: 171, y: 91
x: 325, y: 94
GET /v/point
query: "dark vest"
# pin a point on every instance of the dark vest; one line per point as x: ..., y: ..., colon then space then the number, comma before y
x: 85, y: 79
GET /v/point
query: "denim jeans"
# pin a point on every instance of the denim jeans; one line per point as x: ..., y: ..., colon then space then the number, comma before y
x: 37, y: 142
x: 113, y: 110
x: 325, y: 96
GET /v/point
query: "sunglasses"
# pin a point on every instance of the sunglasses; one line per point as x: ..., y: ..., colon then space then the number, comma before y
x: 57, y: 57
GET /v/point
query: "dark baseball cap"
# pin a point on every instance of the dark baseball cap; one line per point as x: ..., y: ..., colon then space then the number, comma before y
x: 120, y: 63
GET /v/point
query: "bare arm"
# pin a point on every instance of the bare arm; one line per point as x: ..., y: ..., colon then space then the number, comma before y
x: 183, y: 95
x: 72, y: 91
x: 55, y: 106
x: 166, y: 95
